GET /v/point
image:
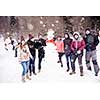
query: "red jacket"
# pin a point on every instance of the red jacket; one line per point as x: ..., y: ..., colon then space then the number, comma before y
x: 60, y: 46
x: 78, y: 44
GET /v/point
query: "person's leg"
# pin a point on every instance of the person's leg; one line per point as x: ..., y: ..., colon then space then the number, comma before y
x: 60, y: 58
x: 24, y: 71
x: 87, y: 59
x: 67, y: 61
x: 15, y: 52
x: 39, y: 64
x: 73, y: 59
x: 80, y: 64
x: 30, y: 67
x: 27, y: 67
x: 95, y: 64
x: 33, y: 65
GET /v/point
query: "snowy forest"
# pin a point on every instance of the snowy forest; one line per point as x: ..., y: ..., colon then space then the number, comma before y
x: 40, y: 24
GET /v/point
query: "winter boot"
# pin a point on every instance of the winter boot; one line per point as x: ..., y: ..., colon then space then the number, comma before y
x: 28, y: 77
x: 23, y: 79
x: 73, y: 72
x: 58, y: 61
x: 30, y: 74
x: 61, y: 65
x: 39, y: 71
x: 81, y: 71
x: 89, y: 68
x: 34, y: 73
x: 68, y: 69
x: 96, y: 74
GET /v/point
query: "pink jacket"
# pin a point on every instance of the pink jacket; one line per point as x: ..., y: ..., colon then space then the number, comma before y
x: 78, y: 44
x: 60, y: 46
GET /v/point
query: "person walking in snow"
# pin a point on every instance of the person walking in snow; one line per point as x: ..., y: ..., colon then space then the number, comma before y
x: 77, y: 47
x: 31, y: 45
x: 39, y: 45
x: 60, y: 49
x: 7, y: 42
x: 24, y: 56
x: 67, y: 48
x: 91, y: 41
x: 16, y: 47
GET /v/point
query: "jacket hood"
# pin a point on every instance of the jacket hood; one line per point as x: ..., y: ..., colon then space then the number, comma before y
x: 77, y: 33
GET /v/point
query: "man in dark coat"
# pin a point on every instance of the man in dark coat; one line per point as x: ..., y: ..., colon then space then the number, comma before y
x: 31, y: 45
x: 91, y: 41
x: 39, y: 44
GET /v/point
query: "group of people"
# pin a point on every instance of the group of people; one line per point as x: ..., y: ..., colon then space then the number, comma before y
x: 73, y: 48
x: 27, y: 55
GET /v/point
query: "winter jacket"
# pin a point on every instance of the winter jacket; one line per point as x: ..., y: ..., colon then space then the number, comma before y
x: 43, y: 41
x: 91, y: 42
x: 24, y: 54
x: 77, y: 45
x: 39, y: 45
x: 67, y: 47
x: 31, y: 46
x: 60, y: 46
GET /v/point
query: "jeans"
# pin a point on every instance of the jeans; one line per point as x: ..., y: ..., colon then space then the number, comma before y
x: 32, y: 65
x: 25, y: 65
x: 68, y: 60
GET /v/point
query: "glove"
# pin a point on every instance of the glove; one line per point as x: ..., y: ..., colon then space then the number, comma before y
x: 79, y: 51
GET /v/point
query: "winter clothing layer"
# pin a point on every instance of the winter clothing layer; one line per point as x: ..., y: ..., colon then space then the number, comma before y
x: 91, y: 42
x: 67, y: 47
x: 24, y: 53
x: 31, y: 46
x: 60, y: 46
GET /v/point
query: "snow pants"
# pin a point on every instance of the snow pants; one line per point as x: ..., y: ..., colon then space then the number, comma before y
x: 73, y: 59
x: 41, y: 55
x: 88, y: 56
x: 60, y: 54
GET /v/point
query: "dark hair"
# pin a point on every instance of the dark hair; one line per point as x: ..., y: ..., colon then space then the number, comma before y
x: 22, y: 38
x: 66, y: 34
x: 87, y: 29
x: 59, y: 36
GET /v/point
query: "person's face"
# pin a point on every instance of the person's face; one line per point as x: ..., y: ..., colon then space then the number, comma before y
x: 87, y: 32
x: 32, y: 39
x: 66, y: 36
x: 59, y: 38
x: 23, y: 42
x: 76, y: 37
x: 40, y: 36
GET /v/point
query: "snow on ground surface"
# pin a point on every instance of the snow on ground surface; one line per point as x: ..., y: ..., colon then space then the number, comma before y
x: 10, y: 69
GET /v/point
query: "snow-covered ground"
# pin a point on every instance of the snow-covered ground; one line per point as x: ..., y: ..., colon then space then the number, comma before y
x: 10, y: 69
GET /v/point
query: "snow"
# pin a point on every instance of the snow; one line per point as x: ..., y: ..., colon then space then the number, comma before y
x: 11, y: 70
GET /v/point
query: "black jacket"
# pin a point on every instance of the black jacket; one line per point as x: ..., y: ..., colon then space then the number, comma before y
x: 43, y: 41
x: 39, y: 44
x: 67, y: 47
x: 31, y: 46
x: 91, y: 42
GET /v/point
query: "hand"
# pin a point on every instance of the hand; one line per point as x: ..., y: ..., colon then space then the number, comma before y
x: 78, y: 52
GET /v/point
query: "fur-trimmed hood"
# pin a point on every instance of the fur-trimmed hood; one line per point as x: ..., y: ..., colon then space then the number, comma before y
x: 80, y: 37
